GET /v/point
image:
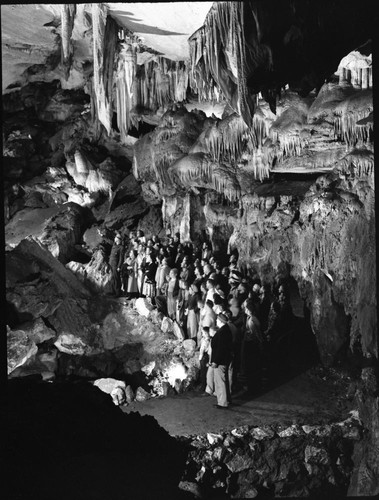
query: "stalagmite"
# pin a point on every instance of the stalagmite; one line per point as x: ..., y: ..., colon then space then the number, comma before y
x: 68, y: 12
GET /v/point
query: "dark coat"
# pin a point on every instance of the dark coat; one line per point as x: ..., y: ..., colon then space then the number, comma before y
x: 221, y: 345
x: 116, y: 257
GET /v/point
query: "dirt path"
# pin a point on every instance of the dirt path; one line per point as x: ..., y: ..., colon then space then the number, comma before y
x: 300, y: 400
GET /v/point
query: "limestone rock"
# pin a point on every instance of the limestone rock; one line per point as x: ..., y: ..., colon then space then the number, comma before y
x: 142, y: 395
x: 20, y: 348
x: 37, y: 331
x: 239, y: 463
x: 167, y: 325
x: 129, y: 395
x: 189, y: 346
x: 116, y: 389
x: 36, y: 282
x: 178, y: 331
x: 143, y: 307
x: 98, y: 272
x: 71, y: 344
x: 64, y: 230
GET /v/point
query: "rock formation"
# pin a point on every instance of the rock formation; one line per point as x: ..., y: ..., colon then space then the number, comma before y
x: 257, y: 136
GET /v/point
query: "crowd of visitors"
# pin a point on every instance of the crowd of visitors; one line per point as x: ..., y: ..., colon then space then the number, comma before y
x: 237, y: 323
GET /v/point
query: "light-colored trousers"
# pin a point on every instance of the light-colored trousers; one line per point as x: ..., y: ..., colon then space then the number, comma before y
x: 218, y: 384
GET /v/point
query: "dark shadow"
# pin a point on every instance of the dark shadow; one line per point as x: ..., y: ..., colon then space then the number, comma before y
x: 68, y: 440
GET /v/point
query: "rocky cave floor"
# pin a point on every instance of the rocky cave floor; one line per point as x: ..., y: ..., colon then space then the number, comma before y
x: 314, y: 397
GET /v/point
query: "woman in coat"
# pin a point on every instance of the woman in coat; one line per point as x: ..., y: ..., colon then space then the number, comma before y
x: 130, y: 273
x: 193, y: 313
x: 149, y: 286
x: 172, y: 293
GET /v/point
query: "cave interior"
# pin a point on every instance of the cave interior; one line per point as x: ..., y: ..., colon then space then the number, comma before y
x: 247, y: 125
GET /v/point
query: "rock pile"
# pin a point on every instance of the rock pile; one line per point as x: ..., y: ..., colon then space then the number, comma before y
x: 272, y: 461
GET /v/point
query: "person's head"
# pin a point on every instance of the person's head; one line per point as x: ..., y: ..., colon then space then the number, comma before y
x: 156, y: 247
x: 150, y: 243
x: 133, y: 254
x: 200, y: 303
x: 225, y: 271
x: 177, y: 237
x: 207, y: 269
x: 117, y: 239
x: 180, y: 248
x: 234, y: 302
x: 250, y: 308
x: 221, y: 320
x: 209, y: 303
x: 174, y: 273
x: 256, y: 288
x: 212, y: 260
x: 242, y: 288
x: 212, y: 331
x: 198, y: 272
x: 205, y: 332
x: 203, y: 287
x: 132, y: 235
x: 194, y: 289
x: 148, y: 251
x: 217, y: 300
x: 164, y: 261
x: 155, y: 238
x: 170, y: 240
x: 210, y: 284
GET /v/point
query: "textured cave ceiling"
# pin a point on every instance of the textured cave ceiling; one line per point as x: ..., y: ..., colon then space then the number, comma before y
x: 29, y: 32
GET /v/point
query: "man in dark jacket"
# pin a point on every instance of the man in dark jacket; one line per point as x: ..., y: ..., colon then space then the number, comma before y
x: 221, y: 356
x: 116, y: 259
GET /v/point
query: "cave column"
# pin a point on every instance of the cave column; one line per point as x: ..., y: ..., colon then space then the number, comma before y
x: 185, y: 223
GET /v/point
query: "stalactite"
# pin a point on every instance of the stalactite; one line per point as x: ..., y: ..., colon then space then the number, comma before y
x: 125, y: 83
x: 68, y: 12
x: 347, y: 129
x: 222, y: 33
x: 358, y: 161
x: 104, y: 44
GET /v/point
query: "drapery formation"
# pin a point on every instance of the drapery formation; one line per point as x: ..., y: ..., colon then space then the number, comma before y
x: 104, y: 45
x: 161, y: 81
x: 68, y: 12
x: 217, y: 53
x: 125, y: 88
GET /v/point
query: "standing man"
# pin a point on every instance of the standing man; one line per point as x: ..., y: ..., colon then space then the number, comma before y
x: 116, y: 260
x: 221, y: 356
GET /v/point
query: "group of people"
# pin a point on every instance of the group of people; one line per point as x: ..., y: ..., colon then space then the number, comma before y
x: 236, y: 323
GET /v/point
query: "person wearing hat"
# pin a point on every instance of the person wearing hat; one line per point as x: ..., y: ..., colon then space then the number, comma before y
x: 221, y: 356
x: 193, y: 312
x: 234, y: 281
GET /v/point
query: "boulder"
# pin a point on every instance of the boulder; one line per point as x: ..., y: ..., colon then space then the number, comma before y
x: 59, y: 228
x: 189, y: 346
x: 143, y: 307
x: 20, y: 348
x: 115, y: 388
x: 178, y: 331
x: 129, y: 394
x: 142, y: 395
x: 37, y: 331
x: 167, y: 325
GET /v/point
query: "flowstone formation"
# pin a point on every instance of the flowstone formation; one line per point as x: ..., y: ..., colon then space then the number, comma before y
x: 251, y: 127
